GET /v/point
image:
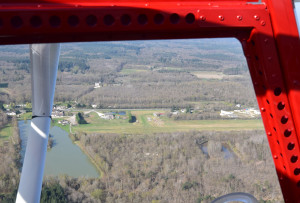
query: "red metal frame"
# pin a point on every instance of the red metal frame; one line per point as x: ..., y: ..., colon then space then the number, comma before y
x: 268, y: 33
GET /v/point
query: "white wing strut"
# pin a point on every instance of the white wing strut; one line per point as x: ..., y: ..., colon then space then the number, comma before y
x: 44, y: 63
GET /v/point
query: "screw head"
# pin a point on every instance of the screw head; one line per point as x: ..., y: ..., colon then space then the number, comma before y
x: 256, y: 17
x: 269, y: 134
x: 275, y: 157
x: 221, y: 17
x: 239, y: 18
x: 263, y: 109
x: 263, y: 23
x: 266, y: 40
x: 203, y: 18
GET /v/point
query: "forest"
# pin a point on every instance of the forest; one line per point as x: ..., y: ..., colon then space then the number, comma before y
x: 200, y: 76
x: 203, y: 74
x: 164, y: 167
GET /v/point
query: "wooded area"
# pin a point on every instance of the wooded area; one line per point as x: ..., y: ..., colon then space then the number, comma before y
x: 200, y: 76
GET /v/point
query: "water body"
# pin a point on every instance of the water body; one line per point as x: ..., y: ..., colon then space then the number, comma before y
x: 64, y: 158
x: 227, y: 154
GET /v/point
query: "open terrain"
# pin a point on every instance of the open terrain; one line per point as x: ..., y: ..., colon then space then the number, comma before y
x: 147, y: 123
x: 155, y: 158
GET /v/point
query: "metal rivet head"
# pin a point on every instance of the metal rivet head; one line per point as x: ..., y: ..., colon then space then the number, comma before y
x: 269, y: 134
x: 239, y: 18
x: 263, y: 109
x: 203, y: 18
x: 275, y: 157
x: 263, y: 23
x: 256, y: 17
x: 221, y: 17
x: 266, y: 40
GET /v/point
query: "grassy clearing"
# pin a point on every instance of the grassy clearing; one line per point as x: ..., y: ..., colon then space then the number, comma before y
x: 26, y: 116
x: 213, y: 75
x: 131, y: 71
x: 149, y: 124
x: 6, y: 132
x: 208, y: 75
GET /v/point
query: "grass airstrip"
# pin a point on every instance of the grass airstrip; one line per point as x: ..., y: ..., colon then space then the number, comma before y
x: 147, y: 123
x: 6, y: 132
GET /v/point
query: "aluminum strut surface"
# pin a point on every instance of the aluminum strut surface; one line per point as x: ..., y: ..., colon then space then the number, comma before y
x: 44, y: 63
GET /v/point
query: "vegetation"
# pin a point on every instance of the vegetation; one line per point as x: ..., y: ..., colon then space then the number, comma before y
x: 146, y: 123
x: 148, y: 155
x: 53, y: 193
x: 10, y: 160
x: 130, y: 119
x: 141, y: 75
x: 172, y: 167
x: 80, y: 119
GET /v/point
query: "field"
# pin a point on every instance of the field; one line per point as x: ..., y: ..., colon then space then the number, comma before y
x: 147, y: 123
x: 6, y: 132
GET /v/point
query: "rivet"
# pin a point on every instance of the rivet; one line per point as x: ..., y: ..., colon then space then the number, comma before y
x: 221, y: 17
x: 269, y: 134
x: 263, y: 109
x: 203, y: 18
x: 296, y: 82
x: 275, y: 157
x: 266, y: 40
x: 39, y: 5
x: 269, y: 58
x: 146, y: 4
x: 239, y: 18
x: 256, y: 17
x: 263, y: 23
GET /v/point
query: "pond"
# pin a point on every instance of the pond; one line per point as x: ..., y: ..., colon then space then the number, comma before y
x: 64, y: 157
x: 227, y: 154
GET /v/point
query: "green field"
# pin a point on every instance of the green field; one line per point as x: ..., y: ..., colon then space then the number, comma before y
x: 26, y: 116
x: 6, y: 132
x: 131, y: 71
x: 147, y: 124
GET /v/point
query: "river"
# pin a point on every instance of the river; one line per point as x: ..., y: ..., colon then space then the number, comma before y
x: 64, y: 157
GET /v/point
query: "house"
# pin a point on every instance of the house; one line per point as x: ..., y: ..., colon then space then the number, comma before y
x: 57, y: 113
x: 175, y: 113
x: 64, y: 122
x: 109, y: 116
x: 229, y: 114
x: 225, y: 113
x: 11, y: 113
x: 97, y: 85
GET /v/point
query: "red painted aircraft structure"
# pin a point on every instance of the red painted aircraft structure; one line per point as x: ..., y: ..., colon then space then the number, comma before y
x: 267, y: 31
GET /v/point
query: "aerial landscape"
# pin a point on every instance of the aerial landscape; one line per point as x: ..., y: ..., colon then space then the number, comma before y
x: 140, y: 121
